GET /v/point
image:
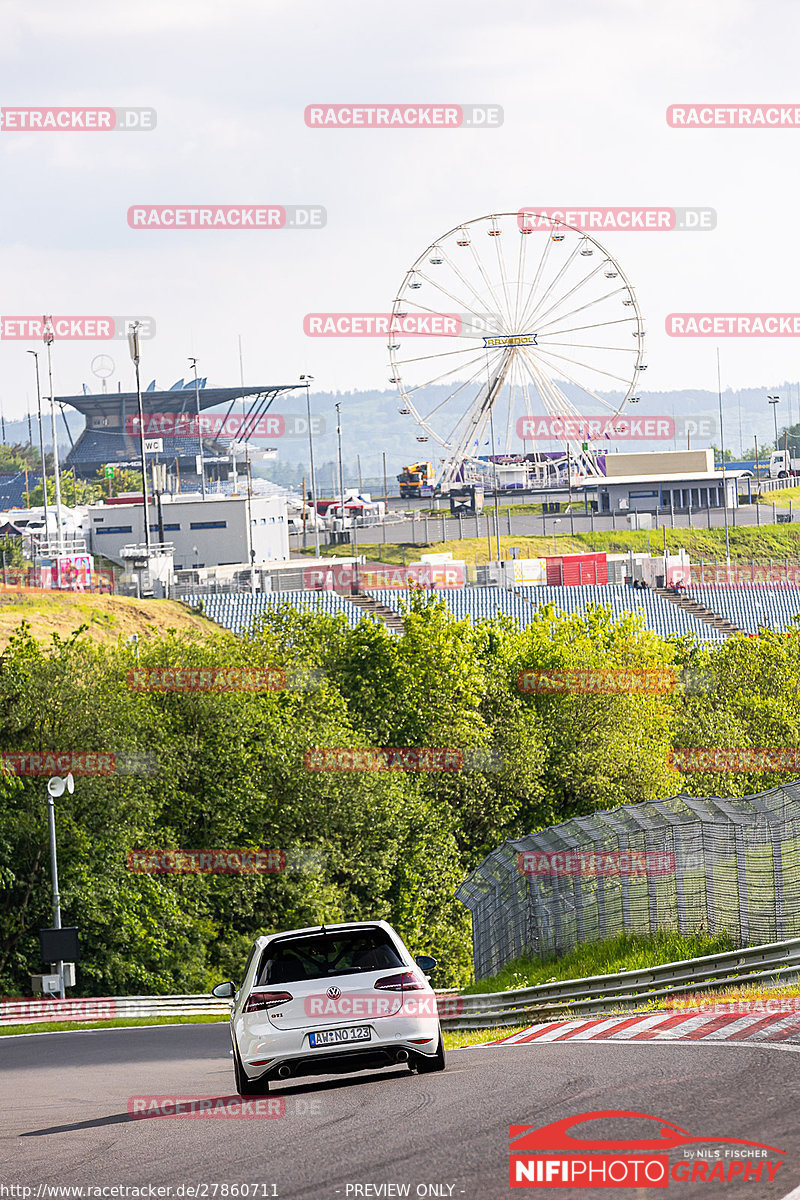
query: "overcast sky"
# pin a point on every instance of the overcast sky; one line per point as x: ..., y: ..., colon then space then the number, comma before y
x: 584, y: 88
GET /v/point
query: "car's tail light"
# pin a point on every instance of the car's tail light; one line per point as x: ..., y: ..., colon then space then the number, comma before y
x: 257, y: 1001
x: 406, y: 981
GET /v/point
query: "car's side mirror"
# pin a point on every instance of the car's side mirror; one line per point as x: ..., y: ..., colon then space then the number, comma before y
x: 425, y: 962
x: 224, y: 991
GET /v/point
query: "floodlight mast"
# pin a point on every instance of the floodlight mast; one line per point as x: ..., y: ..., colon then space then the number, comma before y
x: 35, y: 354
x: 133, y: 346
x: 49, y: 337
x: 307, y: 380
x: 193, y: 361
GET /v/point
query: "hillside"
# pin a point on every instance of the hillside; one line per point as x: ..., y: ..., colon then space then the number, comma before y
x: 106, y: 617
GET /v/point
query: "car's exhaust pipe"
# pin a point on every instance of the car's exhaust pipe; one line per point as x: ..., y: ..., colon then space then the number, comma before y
x: 284, y: 1072
x: 401, y: 1056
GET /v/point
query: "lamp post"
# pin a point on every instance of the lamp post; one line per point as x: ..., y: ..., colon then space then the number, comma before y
x: 48, y: 337
x: 774, y: 401
x: 307, y: 380
x: 249, y: 473
x: 35, y: 354
x: 556, y: 522
x: 56, y: 786
x: 193, y: 361
x: 133, y: 345
x: 724, y: 480
x: 341, y: 475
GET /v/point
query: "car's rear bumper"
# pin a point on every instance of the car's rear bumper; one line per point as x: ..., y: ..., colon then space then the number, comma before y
x: 285, y: 1064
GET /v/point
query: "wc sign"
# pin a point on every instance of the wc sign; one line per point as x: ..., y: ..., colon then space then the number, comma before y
x: 153, y: 445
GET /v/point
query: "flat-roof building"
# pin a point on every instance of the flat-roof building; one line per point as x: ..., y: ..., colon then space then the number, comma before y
x: 217, y: 531
x: 646, y: 493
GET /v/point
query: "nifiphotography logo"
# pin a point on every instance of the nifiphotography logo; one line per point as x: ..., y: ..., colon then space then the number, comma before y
x: 554, y: 1157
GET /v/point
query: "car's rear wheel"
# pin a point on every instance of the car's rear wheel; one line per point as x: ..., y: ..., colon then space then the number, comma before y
x: 437, y: 1063
x: 245, y: 1086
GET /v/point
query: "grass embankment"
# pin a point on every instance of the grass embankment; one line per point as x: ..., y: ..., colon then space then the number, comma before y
x: 106, y: 617
x: 781, y: 497
x: 626, y: 952
x: 747, y: 542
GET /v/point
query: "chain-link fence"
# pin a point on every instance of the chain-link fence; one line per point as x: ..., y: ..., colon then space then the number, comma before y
x: 683, y: 864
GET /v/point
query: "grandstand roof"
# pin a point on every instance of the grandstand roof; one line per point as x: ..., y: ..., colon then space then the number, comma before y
x: 171, y: 401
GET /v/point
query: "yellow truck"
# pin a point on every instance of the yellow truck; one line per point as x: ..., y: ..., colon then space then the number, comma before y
x: 416, y: 479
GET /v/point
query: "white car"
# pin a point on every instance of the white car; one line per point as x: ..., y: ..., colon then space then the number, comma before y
x: 328, y: 999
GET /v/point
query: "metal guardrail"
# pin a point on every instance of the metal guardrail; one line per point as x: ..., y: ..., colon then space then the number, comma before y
x: 627, y: 989
x: 105, y: 1008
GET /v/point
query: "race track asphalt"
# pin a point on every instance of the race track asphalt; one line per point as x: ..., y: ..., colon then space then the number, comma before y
x: 65, y: 1119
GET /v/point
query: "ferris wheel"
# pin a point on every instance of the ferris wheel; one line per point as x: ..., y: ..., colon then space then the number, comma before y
x: 526, y: 317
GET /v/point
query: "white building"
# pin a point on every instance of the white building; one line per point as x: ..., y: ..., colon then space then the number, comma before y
x: 217, y: 531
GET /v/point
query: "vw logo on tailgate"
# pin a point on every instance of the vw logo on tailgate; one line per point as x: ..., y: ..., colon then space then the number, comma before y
x: 333, y: 992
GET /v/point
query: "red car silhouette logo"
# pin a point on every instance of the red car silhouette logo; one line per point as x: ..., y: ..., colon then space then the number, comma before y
x: 556, y: 1136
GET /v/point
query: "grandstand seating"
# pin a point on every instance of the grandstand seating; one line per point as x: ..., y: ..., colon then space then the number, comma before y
x: 770, y: 606
x: 660, y: 614
x: 95, y: 446
x: 237, y: 611
x: 12, y: 489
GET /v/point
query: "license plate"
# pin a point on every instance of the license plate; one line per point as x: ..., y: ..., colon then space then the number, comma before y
x: 331, y: 1037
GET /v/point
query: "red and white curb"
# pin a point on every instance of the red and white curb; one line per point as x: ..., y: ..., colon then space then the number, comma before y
x: 721, y: 1026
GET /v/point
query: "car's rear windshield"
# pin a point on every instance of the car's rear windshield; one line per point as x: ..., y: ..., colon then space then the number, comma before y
x: 319, y: 956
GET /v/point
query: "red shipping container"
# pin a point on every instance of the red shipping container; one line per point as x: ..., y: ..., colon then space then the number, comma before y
x: 553, y: 568
x: 573, y: 570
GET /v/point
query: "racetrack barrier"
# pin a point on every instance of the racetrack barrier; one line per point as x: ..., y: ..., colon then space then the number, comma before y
x: 776, y: 962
